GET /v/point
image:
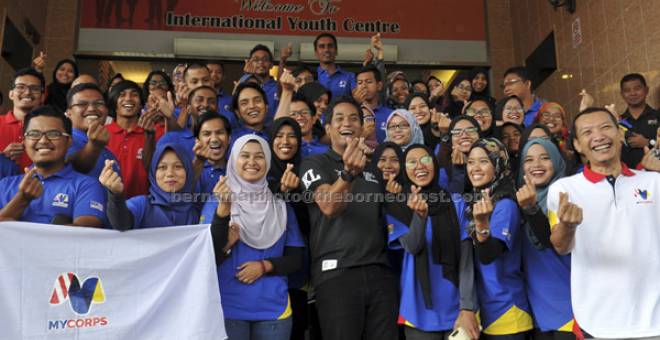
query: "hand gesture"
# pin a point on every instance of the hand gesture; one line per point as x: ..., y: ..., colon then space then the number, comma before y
x: 233, y: 235
x: 368, y: 128
x: 612, y: 109
x: 637, y: 141
x: 360, y: 94
x: 222, y: 191
x: 287, y: 81
x: 417, y: 203
x: 376, y: 42
x: 166, y: 105
x: 526, y: 195
x: 286, y: 52
x: 482, y: 209
x: 354, y: 157
x: 569, y: 214
x: 14, y: 151
x: 110, y: 179
x: 586, y: 101
x: 368, y: 57
x: 202, y: 152
x: 250, y: 271
x: 468, y: 321
x: 248, y: 67
x: 147, y: 121
x: 651, y: 159
x: 97, y: 134
x: 182, y: 95
x: 392, y: 185
x: 457, y: 156
x: 39, y: 63
x: 30, y: 187
x: 290, y: 180
x: 438, y: 91
x: 440, y: 121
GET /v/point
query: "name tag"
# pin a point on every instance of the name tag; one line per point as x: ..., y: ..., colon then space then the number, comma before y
x: 328, y: 265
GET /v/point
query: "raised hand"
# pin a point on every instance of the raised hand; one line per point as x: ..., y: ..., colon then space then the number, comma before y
x: 39, y: 63
x: 97, y: 134
x: 482, y: 210
x: 377, y: 42
x: 354, y: 158
x: 290, y: 180
x: 360, y: 94
x: 392, y: 185
x: 586, y: 101
x: 440, y: 121
x: 202, y: 152
x: 248, y: 67
x: 287, y: 81
x: 30, y: 187
x: 417, y: 203
x: 526, y: 195
x: 166, y: 105
x: 457, y: 156
x: 110, y: 179
x: 569, y: 214
x: 438, y: 91
x: 651, y: 159
x: 368, y: 57
x: 148, y: 119
x: 222, y: 192
x: 14, y: 151
x: 182, y: 95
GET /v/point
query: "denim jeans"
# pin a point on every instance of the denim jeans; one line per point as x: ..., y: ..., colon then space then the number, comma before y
x: 258, y: 330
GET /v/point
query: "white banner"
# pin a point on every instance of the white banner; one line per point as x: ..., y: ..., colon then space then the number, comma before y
x: 81, y: 283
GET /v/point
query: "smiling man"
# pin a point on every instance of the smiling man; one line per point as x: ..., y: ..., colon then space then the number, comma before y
x: 51, y: 191
x: 640, y: 118
x: 251, y: 106
x: 27, y: 93
x: 331, y: 76
x: 213, y: 132
x: 518, y: 83
x: 607, y: 219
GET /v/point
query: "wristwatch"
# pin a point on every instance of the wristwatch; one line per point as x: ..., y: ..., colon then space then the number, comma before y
x: 346, y: 176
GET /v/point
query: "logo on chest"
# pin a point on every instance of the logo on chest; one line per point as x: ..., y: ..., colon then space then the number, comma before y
x: 642, y: 196
x: 342, y: 83
x: 138, y: 155
x: 61, y: 200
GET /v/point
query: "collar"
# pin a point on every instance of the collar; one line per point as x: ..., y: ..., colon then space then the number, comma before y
x: 627, y: 115
x: 62, y: 173
x: 595, y: 177
x: 114, y: 128
x: 79, y: 135
x: 536, y: 105
x: 321, y: 70
x: 208, y: 165
x: 9, y: 118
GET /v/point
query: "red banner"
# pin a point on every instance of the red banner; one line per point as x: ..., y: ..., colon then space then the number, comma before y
x: 395, y: 19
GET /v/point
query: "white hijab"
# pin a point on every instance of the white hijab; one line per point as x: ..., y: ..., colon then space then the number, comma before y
x: 260, y: 215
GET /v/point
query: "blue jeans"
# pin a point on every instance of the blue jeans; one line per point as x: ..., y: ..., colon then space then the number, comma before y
x: 258, y: 330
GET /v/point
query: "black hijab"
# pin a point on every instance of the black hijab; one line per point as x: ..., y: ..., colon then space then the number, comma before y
x: 485, y: 93
x: 57, y: 91
x: 445, y: 244
x: 430, y: 139
x: 450, y: 106
x: 277, y: 165
x: 373, y: 164
x: 490, y: 132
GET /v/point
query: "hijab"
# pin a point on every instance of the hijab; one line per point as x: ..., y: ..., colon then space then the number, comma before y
x: 57, y: 91
x: 490, y: 132
x: 416, y: 134
x: 450, y: 106
x: 430, y: 139
x: 446, y: 237
x: 261, y: 216
x: 277, y: 165
x: 163, y: 198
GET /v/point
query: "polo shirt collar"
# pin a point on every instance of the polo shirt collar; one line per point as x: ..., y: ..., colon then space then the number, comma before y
x: 595, y: 177
x: 536, y: 105
x: 114, y: 128
x: 321, y: 70
x: 627, y: 115
x: 79, y: 135
x: 9, y: 118
x: 64, y: 172
x: 208, y: 165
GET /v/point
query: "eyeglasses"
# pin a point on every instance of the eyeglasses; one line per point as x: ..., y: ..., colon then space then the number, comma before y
x: 402, y: 126
x: 468, y: 130
x: 50, y: 135
x: 509, y: 83
x: 549, y: 115
x: 411, y: 164
x: 513, y: 110
x: 28, y: 88
x: 300, y: 113
x: 158, y: 83
x: 463, y: 88
x: 99, y: 104
x: 263, y: 59
x: 485, y: 113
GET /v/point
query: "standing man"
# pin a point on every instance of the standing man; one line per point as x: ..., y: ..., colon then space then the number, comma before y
x: 217, y: 70
x: 517, y: 83
x: 369, y: 85
x: 26, y: 94
x: 640, y: 119
x: 356, y: 293
x: 607, y: 219
x: 261, y: 61
x: 336, y: 80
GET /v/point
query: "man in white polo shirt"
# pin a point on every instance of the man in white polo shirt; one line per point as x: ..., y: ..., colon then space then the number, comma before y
x: 608, y: 218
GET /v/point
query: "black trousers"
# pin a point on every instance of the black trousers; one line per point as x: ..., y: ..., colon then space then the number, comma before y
x: 552, y: 335
x: 361, y: 303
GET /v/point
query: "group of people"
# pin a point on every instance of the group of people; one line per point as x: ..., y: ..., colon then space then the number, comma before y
x: 360, y: 205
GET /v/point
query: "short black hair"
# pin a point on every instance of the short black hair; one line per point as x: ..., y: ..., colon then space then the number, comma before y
x: 260, y: 47
x: 520, y: 71
x: 28, y: 71
x: 82, y: 87
x: 215, y: 62
x: 592, y: 109
x: 298, y: 97
x: 325, y: 35
x: 243, y: 86
x: 371, y: 69
x: 341, y: 100
x: 203, y: 87
x: 48, y: 111
x: 632, y: 77
x: 205, y: 117
x: 194, y: 66
x: 118, y: 75
x: 113, y: 96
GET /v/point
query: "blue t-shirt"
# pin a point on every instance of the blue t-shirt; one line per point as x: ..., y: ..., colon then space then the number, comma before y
x: 268, y: 297
x: 78, y: 141
x: 209, y: 177
x: 8, y: 167
x: 66, y: 192
x: 147, y: 215
x: 381, y: 112
x: 548, y: 278
x: 500, y: 284
x: 531, y: 113
x: 224, y: 108
x: 270, y: 87
x: 340, y: 83
x: 313, y: 148
x: 444, y: 294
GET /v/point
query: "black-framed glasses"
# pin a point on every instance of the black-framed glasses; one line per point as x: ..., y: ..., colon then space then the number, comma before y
x: 401, y: 126
x: 485, y: 113
x: 50, y: 134
x: 467, y: 130
x: 99, y: 104
x: 411, y: 164
x: 158, y: 83
x: 300, y: 113
x: 28, y: 88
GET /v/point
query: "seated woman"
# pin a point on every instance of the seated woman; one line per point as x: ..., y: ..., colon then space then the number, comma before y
x: 257, y: 243
x: 495, y: 228
x: 437, y: 252
x: 547, y: 274
x: 402, y: 129
x: 170, y: 181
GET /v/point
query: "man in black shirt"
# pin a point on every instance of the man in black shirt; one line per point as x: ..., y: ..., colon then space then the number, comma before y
x: 639, y: 117
x: 356, y: 293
